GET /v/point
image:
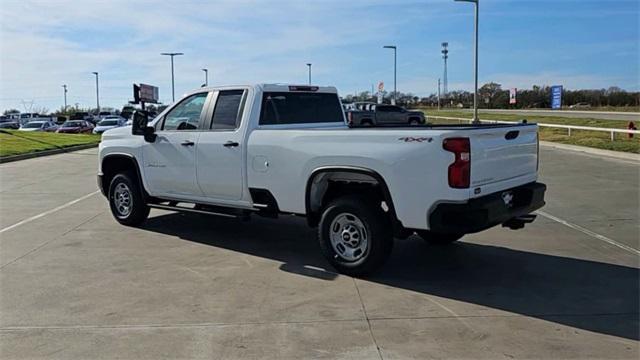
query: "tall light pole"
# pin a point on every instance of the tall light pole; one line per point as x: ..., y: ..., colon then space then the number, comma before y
x: 438, y: 94
x: 445, y: 56
x: 97, y: 93
x: 65, y: 96
x: 206, y: 77
x: 475, y: 92
x: 395, y: 72
x: 309, y: 65
x: 173, y: 87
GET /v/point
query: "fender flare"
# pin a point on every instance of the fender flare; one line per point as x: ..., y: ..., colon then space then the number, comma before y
x: 313, y: 218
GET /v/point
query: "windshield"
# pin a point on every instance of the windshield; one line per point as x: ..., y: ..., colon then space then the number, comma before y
x: 108, y: 123
x: 25, y: 116
x: 73, y: 124
x: 33, y: 125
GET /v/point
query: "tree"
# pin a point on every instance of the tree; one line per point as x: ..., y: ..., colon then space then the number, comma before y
x: 11, y: 111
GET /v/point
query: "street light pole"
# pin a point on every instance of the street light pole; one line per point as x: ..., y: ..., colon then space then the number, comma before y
x: 395, y: 72
x: 65, y: 96
x: 438, y: 94
x: 475, y: 92
x: 173, y: 88
x: 97, y: 93
x: 206, y: 77
x: 309, y: 65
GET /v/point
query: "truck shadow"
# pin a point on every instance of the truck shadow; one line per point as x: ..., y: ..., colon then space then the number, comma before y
x: 588, y: 295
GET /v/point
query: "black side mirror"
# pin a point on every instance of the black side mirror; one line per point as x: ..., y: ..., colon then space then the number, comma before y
x: 140, y: 126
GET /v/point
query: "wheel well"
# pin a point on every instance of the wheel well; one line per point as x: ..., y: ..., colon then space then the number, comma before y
x: 415, y: 118
x: 115, y: 164
x: 328, y: 184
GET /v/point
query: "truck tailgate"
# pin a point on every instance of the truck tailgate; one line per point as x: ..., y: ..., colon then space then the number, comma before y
x: 503, y: 153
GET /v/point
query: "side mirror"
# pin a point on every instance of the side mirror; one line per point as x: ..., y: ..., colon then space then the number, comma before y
x: 140, y: 126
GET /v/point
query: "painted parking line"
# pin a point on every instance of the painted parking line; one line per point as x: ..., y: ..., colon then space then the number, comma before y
x: 35, y: 217
x: 590, y: 233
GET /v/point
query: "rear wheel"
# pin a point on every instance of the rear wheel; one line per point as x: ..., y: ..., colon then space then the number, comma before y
x: 126, y: 201
x: 414, y: 122
x: 355, y: 235
x: 438, y: 238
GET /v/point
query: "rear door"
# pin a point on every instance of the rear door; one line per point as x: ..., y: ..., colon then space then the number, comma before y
x: 170, y: 161
x: 220, y: 146
x: 501, y: 154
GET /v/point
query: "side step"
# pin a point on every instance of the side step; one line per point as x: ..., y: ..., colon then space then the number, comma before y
x: 191, y: 210
x: 519, y: 222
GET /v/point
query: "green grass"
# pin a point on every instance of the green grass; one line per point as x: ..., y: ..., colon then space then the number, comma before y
x: 21, y: 142
x: 595, y: 139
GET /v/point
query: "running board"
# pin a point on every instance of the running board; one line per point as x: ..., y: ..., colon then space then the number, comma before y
x: 186, y: 209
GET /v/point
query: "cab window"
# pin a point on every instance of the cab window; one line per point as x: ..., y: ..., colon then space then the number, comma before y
x: 228, y: 110
x: 186, y: 115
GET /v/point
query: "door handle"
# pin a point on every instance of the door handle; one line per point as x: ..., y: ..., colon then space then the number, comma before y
x: 187, y: 143
x: 230, y: 144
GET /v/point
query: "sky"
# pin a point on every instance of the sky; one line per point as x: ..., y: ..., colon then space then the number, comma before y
x: 44, y: 44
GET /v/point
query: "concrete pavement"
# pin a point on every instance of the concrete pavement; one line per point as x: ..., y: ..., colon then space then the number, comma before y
x: 74, y: 284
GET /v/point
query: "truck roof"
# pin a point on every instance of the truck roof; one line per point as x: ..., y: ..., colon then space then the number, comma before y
x: 276, y: 87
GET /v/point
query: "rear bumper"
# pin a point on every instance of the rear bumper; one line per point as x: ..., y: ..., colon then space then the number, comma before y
x: 484, y: 212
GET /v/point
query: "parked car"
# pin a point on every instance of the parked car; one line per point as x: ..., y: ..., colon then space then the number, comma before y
x: 39, y: 126
x: 29, y: 117
x: 109, y: 122
x: 76, y: 127
x: 378, y: 114
x: 104, y: 114
x: 274, y: 149
x: 580, y: 106
x: 7, y: 123
x: 83, y: 115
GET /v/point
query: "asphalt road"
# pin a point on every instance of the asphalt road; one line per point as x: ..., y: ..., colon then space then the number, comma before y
x: 76, y: 285
x: 602, y: 115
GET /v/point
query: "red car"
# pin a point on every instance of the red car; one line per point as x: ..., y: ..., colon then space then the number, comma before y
x: 76, y: 127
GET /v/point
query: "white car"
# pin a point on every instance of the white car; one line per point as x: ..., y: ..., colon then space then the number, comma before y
x: 286, y: 149
x: 109, y: 122
x: 39, y: 126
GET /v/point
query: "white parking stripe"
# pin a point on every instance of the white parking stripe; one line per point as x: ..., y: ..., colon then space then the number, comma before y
x: 48, y: 212
x: 590, y: 233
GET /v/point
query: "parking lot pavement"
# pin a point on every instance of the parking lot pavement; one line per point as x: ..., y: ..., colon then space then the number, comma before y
x: 75, y: 285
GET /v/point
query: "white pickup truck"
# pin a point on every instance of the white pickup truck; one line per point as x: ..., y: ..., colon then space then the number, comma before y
x: 286, y: 149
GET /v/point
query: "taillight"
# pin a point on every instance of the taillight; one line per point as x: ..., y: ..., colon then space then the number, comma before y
x: 460, y: 169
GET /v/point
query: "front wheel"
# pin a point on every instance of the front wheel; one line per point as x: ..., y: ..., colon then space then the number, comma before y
x: 126, y: 201
x: 355, y: 235
x: 438, y: 238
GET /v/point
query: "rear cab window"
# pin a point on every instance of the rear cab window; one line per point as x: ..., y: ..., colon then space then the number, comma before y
x: 280, y: 108
x: 228, y: 110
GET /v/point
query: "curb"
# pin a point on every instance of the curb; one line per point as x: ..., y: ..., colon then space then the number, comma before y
x: 587, y: 150
x: 37, y: 154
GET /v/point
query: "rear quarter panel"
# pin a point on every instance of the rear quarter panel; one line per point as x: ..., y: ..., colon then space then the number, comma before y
x: 412, y: 163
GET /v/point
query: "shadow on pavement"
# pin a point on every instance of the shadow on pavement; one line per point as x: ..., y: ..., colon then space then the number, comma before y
x: 554, y: 288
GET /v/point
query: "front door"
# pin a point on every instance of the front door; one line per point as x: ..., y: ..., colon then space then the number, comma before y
x: 219, y: 156
x: 169, y: 162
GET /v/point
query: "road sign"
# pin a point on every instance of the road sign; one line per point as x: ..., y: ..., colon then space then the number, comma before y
x: 512, y: 95
x: 556, y: 97
x: 149, y: 93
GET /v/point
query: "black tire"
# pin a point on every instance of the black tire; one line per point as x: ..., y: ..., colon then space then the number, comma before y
x: 414, y: 122
x: 375, y: 231
x: 137, y: 211
x: 366, y: 123
x: 438, y: 238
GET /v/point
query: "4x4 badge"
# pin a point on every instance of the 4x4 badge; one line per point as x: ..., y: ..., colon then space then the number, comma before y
x: 415, y: 139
